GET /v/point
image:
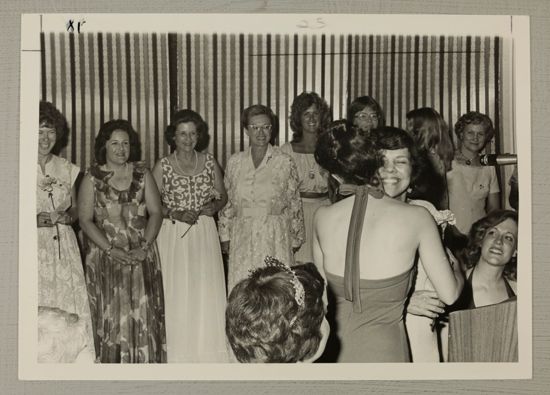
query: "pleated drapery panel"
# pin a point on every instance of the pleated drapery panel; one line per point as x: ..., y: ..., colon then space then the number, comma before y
x: 145, y: 77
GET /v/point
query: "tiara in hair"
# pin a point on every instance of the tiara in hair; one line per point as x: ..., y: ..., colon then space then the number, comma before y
x: 299, y: 293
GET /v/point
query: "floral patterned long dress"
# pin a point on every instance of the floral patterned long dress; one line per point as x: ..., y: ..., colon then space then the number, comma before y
x: 263, y: 215
x: 61, y: 281
x: 127, y: 301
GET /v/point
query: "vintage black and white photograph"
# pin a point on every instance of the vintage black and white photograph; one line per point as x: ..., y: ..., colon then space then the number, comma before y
x: 216, y: 192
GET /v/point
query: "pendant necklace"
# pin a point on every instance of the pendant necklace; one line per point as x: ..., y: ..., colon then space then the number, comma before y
x: 463, y: 157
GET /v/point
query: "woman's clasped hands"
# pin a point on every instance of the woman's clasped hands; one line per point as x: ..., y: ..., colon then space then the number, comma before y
x: 188, y: 216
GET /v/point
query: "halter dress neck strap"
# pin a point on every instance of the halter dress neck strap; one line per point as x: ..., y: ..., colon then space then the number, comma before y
x: 351, y: 271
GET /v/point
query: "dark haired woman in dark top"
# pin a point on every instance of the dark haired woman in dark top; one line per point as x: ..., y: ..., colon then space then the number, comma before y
x: 491, y: 254
x: 366, y: 246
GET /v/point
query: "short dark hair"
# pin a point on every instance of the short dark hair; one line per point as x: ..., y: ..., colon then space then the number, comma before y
x: 476, y: 118
x: 51, y: 117
x: 348, y: 154
x: 104, y: 134
x: 264, y: 322
x: 430, y: 131
x: 184, y: 116
x: 260, y: 109
x: 300, y: 104
x: 478, y: 232
x: 391, y: 138
x: 362, y: 102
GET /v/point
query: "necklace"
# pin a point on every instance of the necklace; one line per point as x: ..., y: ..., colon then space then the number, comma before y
x: 312, y: 166
x: 179, y: 166
x: 463, y: 158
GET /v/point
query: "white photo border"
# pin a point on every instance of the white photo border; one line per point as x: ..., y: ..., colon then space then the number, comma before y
x: 515, y: 28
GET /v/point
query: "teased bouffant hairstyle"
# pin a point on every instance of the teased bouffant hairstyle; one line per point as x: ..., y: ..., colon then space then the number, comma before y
x: 260, y: 109
x: 362, y: 102
x: 184, y: 116
x: 61, y: 336
x: 477, y: 234
x: 264, y: 322
x: 476, y: 118
x: 300, y: 104
x: 51, y: 117
x: 431, y: 132
x: 346, y: 153
x: 105, y: 132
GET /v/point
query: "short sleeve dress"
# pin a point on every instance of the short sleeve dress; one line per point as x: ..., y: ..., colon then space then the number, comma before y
x: 469, y: 187
x: 127, y: 301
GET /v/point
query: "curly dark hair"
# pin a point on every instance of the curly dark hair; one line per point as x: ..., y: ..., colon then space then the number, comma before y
x: 260, y: 109
x: 477, y: 235
x: 476, y: 118
x: 300, y: 104
x: 391, y: 138
x: 104, y: 134
x: 264, y: 323
x: 51, y: 117
x: 362, y: 102
x: 184, y: 116
x: 348, y: 154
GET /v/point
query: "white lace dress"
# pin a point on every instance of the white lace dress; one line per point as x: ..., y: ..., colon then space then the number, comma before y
x: 263, y: 215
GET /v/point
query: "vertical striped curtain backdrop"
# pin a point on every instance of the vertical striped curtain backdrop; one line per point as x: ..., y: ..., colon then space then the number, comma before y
x: 144, y: 78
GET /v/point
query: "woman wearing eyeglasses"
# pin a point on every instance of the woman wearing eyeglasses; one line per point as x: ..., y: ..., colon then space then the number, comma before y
x: 366, y: 114
x: 263, y: 215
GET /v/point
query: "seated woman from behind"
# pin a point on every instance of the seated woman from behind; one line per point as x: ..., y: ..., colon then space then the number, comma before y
x: 277, y: 315
x: 491, y: 254
x: 367, y: 251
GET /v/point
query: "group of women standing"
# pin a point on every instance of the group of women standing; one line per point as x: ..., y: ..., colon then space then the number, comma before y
x: 153, y: 288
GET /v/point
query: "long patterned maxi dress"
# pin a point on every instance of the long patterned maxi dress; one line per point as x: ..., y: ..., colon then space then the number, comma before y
x: 61, y: 281
x: 127, y: 301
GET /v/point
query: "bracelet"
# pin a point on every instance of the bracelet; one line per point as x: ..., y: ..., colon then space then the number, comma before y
x: 108, y: 250
x: 145, y: 245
